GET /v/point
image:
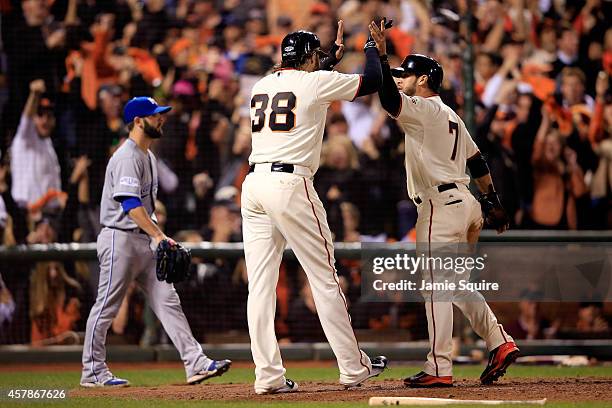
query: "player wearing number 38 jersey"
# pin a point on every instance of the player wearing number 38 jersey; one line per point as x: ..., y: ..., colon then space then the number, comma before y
x: 280, y: 205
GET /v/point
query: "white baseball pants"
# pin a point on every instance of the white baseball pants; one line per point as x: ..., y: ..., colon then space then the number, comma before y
x: 459, y: 222
x: 279, y: 209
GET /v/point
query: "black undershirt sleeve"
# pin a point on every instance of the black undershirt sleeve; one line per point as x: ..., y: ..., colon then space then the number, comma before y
x: 372, y: 75
x: 390, y: 98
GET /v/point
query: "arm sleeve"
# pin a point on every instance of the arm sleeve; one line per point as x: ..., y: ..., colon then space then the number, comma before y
x: 168, y: 180
x: 333, y: 86
x: 26, y: 131
x: 126, y: 178
x: 129, y: 203
x: 372, y: 73
x: 491, y: 90
x: 390, y: 98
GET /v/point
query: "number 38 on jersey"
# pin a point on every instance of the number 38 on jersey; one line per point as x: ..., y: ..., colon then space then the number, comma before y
x: 279, y: 118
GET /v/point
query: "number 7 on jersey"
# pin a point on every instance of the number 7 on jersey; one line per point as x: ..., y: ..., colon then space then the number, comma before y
x: 454, y: 127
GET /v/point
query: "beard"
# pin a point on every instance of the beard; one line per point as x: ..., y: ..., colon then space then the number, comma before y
x: 411, y: 90
x: 151, y: 131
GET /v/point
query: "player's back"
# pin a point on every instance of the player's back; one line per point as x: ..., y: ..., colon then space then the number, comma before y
x: 288, y: 109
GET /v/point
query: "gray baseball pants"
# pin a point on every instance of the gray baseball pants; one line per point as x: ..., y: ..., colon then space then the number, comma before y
x: 125, y: 256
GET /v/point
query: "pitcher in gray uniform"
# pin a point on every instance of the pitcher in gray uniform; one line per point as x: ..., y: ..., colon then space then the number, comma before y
x: 126, y: 251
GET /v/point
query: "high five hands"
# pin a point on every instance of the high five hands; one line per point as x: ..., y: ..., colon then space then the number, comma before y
x: 377, y: 35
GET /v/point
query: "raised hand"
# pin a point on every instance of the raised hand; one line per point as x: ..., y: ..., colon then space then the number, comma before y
x: 37, y: 86
x: 339, y: 44
x: 377, y: 32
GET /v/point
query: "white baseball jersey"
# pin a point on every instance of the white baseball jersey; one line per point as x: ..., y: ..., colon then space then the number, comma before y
x: 288, y: 110
x: 437, y: 143
x: 34, y: 165
x: 437, y: 147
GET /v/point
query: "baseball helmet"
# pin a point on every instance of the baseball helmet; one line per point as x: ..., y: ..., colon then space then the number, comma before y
x: 418, y: 64
x: 297, y: 44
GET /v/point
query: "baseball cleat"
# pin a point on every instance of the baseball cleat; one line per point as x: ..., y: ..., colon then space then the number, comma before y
x: 215, y: 369
x: 499, y: 361
x: 379, y: 364
x: 112, y: 382
x: 289, y: 386
x: 424, y: 380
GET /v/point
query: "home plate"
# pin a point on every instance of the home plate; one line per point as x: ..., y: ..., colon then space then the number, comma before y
x: 420, y: 401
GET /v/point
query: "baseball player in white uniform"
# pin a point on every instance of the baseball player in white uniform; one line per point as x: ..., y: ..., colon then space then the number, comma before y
x: 280, y: 205
x: 126, y: 253
x: 438, y: 150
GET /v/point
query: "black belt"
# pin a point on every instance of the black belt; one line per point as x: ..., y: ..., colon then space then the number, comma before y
x: 136, y: 230
x: 278, y: 167
x: 441, y: 188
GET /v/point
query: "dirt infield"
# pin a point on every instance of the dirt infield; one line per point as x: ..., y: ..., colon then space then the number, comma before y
x: 561, y: 389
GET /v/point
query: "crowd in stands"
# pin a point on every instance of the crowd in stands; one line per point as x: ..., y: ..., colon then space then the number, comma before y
x: 542, y: 118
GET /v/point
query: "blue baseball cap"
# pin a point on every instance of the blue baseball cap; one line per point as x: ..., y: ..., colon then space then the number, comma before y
x: 142, y: 106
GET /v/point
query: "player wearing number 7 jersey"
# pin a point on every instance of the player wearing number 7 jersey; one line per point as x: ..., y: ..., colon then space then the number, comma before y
x: 280, y: 205
x: 438, y: 150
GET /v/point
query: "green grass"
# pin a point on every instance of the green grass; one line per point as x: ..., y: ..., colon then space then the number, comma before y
x: 155, y: 377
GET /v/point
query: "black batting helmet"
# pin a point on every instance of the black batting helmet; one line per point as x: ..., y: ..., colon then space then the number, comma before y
x: 418, y: 64
x: 298, y: 44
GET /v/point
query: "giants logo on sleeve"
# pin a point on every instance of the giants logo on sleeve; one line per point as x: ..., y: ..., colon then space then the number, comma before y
x: 129, y: 182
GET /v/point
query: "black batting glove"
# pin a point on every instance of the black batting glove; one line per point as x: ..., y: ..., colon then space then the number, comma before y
x: 494, y: 214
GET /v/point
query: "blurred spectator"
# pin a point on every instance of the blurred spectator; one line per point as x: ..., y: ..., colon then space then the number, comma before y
x: 494, y: 137
x: 487, y: 65
x: 573, y: 87
x: 152, y: 25
x: 44, y: 232
x: 600, y: 132
x: 337, y: 126
x: 97, y: 131
x: 591, y: 319
x: 360, y: 117
x: 128, y: 325
x: 237, y: 167
x: 350, y: 220
x: 529, y: 323
x: 7, y: 304
x: 54, y: 304
x: 558, y: 180
x: 338, y: 180
x: 31, y: 38
x: 225, y: 222
x: 528, y: 117
x: 567, y: 50
x: 36, y: 183
x: 302, y: 319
